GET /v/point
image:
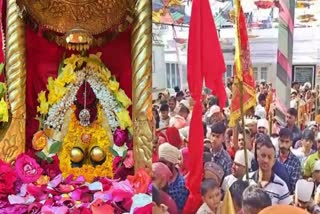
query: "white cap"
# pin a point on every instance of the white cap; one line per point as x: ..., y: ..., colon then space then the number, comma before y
x: 184, y: 132
x: 239, y: 158
x: 185, y: 103
x: 213, y: 109
x: 293, y: 91
x: 307, y: 84
x: 260, y: 112
x: 318, y: 136
x: 304, y: 190
x: 169, y: 153
x: 316, y: 166
x: 263, y: 123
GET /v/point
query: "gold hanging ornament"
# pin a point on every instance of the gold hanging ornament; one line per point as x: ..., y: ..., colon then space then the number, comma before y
x: 78, y: 39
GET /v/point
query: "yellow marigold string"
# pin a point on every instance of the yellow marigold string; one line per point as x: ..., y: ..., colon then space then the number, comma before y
x: 73, y: 138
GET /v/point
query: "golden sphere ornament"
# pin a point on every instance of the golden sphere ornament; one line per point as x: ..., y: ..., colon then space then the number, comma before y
x: 76, y: 155
x: 97, y: 154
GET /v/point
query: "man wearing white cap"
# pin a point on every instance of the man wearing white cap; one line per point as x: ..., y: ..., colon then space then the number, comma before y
x: 262, y: 126
x: 238, y: 169
x: 214, y: 114
x: 303, y: 194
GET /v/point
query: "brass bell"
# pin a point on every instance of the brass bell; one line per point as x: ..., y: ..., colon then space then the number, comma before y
x: 97, y: 154
x: 76, y: 154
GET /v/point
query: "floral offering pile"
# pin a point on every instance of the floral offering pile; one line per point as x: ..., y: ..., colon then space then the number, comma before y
x: 38, y: 187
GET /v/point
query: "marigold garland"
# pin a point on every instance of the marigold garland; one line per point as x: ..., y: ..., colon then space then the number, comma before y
x: 73, y: 138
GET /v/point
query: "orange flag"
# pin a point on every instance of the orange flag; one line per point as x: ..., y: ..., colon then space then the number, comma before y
x: 243, y: 72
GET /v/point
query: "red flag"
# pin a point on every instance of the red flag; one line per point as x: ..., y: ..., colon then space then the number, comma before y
x: 205, y: 62
x: 243, y: 69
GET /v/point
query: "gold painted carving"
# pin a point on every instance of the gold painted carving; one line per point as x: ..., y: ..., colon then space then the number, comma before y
x: 13, y: 141
x: 95, y: 16
x: 141, y: 51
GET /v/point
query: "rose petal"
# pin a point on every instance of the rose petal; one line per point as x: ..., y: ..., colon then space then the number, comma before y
x: 99, y: 207
x: 35, y: 190
x: 65, y: 188
x: 86, y: 197
x: 34, y: 207
x: 56, y: 181
x: 76, y: 195
x: 23, y: 190
x: 140, y: 200
x: 16, y: 199
x: 96, y: 186
x: 68, y: 179
x: 80, y: 180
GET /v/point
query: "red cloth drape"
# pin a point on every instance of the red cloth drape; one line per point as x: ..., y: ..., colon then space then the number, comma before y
x: 44, y: 57
x: 205, y: 62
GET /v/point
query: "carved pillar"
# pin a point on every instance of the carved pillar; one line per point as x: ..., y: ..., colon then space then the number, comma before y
x: 13, y: 141
x: 141, y: 51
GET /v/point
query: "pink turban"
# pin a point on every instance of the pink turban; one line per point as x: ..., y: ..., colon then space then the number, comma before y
x: 161, y: 170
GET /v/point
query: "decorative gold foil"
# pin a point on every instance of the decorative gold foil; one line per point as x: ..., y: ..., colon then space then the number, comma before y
x: 95, y: 16
x: 141, y: 52
x: 13, y: 141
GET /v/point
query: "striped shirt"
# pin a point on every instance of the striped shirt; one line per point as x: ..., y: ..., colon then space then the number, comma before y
x: 276, y: 188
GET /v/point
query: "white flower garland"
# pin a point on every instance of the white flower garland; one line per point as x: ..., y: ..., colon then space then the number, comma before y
x: 107, y: 100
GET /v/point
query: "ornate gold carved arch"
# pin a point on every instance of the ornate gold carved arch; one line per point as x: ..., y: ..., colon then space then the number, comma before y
x: 13, y: 140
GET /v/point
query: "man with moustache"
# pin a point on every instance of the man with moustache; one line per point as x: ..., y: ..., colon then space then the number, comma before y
x: 287, y: 158
x: 265, y: 178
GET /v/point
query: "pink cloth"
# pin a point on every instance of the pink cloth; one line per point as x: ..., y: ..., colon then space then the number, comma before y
x: 169, y: 202
x: 161, y: 170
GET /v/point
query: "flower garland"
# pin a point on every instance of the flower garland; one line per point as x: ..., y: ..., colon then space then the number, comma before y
x: 62, y: 93
x: 73, y: 138
x: 113, y: 104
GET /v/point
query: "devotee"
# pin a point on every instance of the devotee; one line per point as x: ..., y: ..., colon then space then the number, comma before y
x: 305, y: 150
x: 164, y: 116
x: 180, y: 120
x: 156, y: 117
x: 262, y: 126
x: 291, y: 119
x: 260, y: 110
x: 310, y: 162
x: 211, y: 197
x: 236, y: 191
x: 173, y: 107
x: 238, y: 169
x: 303, y: 195
x: 316, y: 173
x: 157, y: 206
x: 179, y: 96
x: 214, y: 115
x: 266, y: 178
x: 281, y: 209
x: 278, y: 168
x: 254, y: 200
x: 287, y: 158
x: 170, y: 155
x: 213, y: 171
x: 161, y: 175
x: 219, y: 154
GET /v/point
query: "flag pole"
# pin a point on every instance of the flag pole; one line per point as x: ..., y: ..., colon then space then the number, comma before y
x: 243, y: 128
x: 241, y: 89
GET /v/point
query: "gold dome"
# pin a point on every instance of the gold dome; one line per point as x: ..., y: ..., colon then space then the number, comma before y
x: 94, y: 16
